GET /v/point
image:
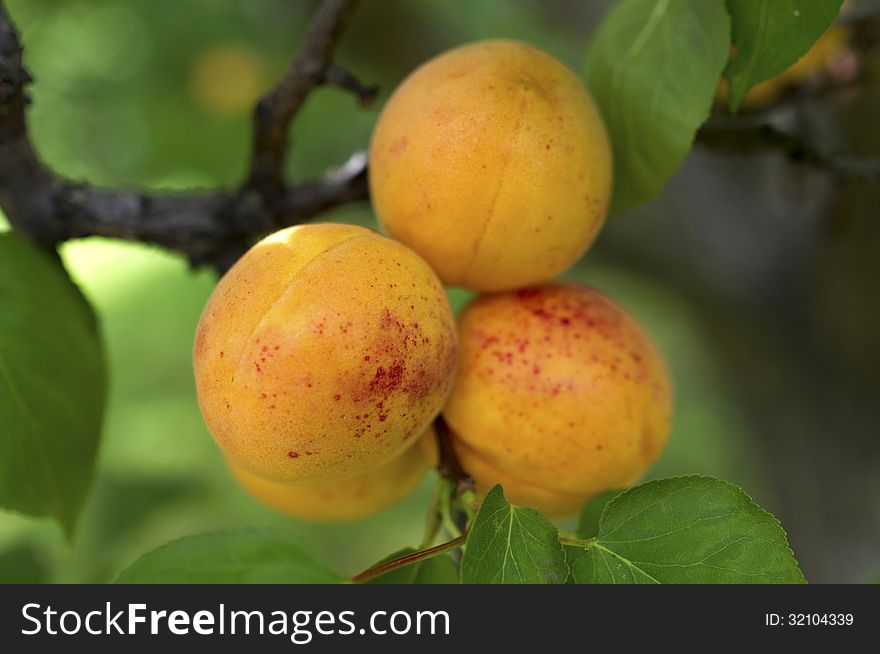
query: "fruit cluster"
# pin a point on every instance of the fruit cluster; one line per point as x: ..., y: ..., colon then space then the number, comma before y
x: 325, y: 354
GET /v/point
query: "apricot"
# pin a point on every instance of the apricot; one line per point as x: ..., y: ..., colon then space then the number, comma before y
x: 323, y: 353
x: 560, y: 396
x: 492, y: 162
x: 349, y: 499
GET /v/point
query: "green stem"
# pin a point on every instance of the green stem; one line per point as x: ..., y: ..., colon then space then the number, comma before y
x: 466, y: 502
x: 575, y: 541
x: 433, y: 521
x: 446, y: 490
x: 406, y: 559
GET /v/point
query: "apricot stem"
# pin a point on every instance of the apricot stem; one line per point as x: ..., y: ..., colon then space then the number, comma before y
x: 434, y: 519
x: 446, y: 489
x: 450, y: 467
x: 467, y: 502
x: 576, y: 542
x: 407, y: 559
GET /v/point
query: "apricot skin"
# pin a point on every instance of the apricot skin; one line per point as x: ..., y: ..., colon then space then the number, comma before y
x: 492, y: 162
x: 349, y: 499
x: 322, y: 353
x: 560, y: 396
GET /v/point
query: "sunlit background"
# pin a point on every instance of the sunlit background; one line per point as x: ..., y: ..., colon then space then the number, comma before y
x: 158, y: 94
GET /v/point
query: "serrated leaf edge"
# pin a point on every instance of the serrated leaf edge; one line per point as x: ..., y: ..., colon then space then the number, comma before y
x: 710, y: 478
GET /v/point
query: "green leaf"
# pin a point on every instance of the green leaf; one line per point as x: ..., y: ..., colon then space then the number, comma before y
x: 685, y: 530
x: 588, y: 525
x: 771, y: 35
x: 243, y: 556
x: 437, y: 570
x: 653, y: 68
x: 508, y: 545
x: 52, y: 386
x: 22, y: 564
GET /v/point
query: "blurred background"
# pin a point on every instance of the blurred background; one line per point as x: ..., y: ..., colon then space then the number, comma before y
x: 757, y: 277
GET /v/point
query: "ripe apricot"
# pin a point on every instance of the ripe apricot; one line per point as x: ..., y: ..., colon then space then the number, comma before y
x: 560, y: 396
x: 322, y: 353
x: 349, y: 499
x: 492, y: 162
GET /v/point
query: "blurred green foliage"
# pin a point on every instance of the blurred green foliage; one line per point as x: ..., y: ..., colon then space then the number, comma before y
x: 122, y: 97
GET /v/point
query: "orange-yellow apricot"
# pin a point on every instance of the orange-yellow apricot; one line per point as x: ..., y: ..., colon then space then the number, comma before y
x: 492, y: 162
x: 560, y: 395
x: 322, y: 353
x: 349, y: 499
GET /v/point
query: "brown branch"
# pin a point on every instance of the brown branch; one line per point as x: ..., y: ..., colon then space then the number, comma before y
x: 746, y: 134
x: 366, y: 94
x: 22, y: 177
x: 308, y: 70
x: 407, y: 559
x: 450, y: 467
x: 211, y: 227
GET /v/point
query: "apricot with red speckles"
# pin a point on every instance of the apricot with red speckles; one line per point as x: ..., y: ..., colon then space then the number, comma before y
x: 560, y: 395
x: 349, y: 499
x: 323, y: 353
x: 492, y: 162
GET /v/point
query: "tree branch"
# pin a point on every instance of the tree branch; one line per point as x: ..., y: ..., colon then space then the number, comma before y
x: 22, y: 177
x: 211, y: 227
x: 308, y: 70
x: 340, y: 77
x: 745, y: 134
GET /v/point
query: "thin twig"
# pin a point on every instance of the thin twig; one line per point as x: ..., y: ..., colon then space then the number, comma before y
x: 450, y: 467
x: 407, y: 559
x: 308, y: 70
x: 461, y: 484
x: 433, y: 520
x: 744, y: 134
x: 366, y: 94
